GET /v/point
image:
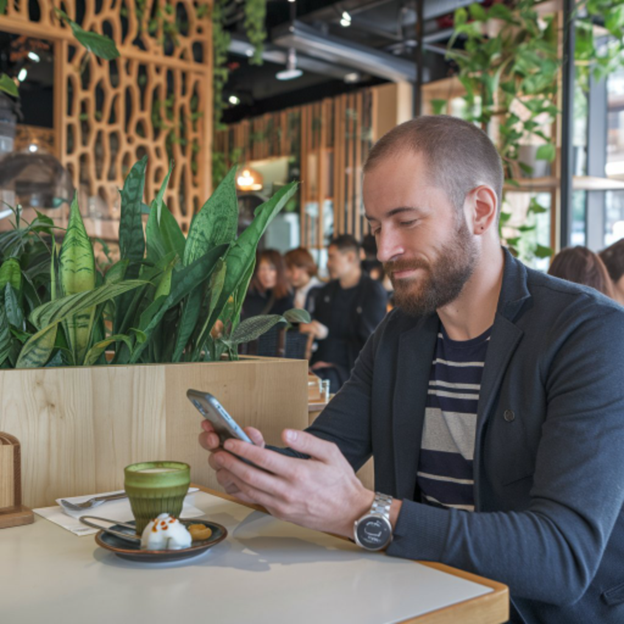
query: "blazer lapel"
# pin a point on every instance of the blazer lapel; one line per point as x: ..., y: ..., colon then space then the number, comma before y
x: 416, y: 350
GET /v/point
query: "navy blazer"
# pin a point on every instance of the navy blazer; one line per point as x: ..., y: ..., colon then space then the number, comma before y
x: 549, y: 448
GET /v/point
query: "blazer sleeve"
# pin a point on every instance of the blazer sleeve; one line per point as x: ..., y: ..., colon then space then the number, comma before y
x: 551, y: 551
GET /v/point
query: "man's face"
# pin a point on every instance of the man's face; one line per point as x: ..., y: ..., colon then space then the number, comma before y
x: 339, y: 263
x: 424, y: 243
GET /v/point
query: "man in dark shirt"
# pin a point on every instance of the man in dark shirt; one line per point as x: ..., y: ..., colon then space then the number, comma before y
x: 347, y: 311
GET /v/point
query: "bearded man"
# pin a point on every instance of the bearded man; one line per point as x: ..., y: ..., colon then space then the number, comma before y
x: 491, y: 399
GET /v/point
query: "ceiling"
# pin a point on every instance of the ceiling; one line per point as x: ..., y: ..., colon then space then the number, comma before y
x: 377, y: 46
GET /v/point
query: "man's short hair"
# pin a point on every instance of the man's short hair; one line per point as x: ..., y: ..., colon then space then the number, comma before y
x: 344, y: 243
x: 459, y: 155
x: 613, y: 258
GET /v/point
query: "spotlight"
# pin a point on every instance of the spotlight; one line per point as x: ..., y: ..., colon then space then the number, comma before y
x: 22, y: 74
x: 34, y: 57
x: 345, y: 19
x: 234, y: 100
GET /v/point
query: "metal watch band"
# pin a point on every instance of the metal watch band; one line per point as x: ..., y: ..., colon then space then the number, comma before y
x: 381, y: 505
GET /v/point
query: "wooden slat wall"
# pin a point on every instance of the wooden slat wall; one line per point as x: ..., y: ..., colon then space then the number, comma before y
x: 338, y: 127
x: 104, y: 119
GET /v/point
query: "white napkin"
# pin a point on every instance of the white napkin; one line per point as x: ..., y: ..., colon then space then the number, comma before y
x: 118, y: 510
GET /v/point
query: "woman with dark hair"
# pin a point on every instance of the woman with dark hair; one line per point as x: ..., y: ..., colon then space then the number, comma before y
x: 268, y: 292
x: 582, y: 266
x: 301, y: 271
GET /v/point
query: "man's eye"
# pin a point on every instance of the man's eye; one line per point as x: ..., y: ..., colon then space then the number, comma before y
x: 408, y: 223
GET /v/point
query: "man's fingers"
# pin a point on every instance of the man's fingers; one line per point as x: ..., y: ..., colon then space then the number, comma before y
x: 255, y: 435
x: 311, y: 445
x: 209, y: 441
x: 269, y: 460
x: 250, y: 475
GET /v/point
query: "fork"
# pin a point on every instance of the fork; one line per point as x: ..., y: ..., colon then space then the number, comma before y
x: 92, y: 502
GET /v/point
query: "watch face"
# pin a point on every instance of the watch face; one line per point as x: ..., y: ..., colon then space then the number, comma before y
x: 373, y: 533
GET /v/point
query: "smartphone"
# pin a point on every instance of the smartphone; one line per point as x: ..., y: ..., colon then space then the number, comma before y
x: 224, y: 425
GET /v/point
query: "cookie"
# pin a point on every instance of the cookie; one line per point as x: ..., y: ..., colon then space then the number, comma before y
x: 199, y: 532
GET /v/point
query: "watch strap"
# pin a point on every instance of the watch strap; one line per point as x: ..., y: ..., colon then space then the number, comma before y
x: 381, y: 505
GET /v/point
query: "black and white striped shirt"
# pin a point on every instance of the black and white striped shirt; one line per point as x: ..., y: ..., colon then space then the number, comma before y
x: 445, y: 470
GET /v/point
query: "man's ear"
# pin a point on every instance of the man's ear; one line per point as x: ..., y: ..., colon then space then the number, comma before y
x: 483, y: 209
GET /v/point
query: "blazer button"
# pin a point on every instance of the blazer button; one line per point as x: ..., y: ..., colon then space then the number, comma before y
x: 509, y: 416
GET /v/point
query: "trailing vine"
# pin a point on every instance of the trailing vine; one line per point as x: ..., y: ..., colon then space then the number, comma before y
x: 220, y: 44
x: 255, y: 16
x: 510, y: 78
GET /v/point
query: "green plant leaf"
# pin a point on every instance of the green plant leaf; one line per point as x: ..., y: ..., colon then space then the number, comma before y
x: 217, y: 221
x: 242, y: 253
x: 438, y: 106
x: 14, y: 312
x: 65, y: 307
x: 252, y: 328
x: 297, y: 315
x: 131, y: 241
x: 542, y: 252
x: 165, y: 237
x: 117, y: 272
x: 190, y: 316
x: 8, y: 86
x: 215, y: 287
x: 11, y: 273
x: 546, y: 152
x: 186, y: 279
x: 96, y: 351
x: 36, y: 352
x: 5, y: 336
x: 77, y: 275
x: 477, y: 12
x: 100, y: 45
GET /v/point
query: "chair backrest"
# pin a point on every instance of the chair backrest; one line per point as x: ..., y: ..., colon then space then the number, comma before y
x: 271, y: 344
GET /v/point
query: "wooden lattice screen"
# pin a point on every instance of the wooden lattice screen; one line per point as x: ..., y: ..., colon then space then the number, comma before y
x: 155, y: 99
x: 331, y: 139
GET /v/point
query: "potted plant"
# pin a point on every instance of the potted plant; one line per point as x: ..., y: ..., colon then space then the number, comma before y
x: 80, y: 418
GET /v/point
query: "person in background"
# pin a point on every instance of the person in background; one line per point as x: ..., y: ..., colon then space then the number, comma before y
x: 374, y: 267
x: 582, y: 266
x: 301, y: 271
x: 347, y: 311
x: 269, y: 292
x: 613, y: 258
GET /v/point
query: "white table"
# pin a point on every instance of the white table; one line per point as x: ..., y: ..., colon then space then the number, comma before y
x: 266, y: 571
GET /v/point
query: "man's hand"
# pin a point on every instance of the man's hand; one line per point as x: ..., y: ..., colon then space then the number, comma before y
x: 211, y: 442
x: 320, y: 493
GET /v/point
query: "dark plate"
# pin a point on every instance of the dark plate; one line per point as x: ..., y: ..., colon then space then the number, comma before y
x: 126, y: 550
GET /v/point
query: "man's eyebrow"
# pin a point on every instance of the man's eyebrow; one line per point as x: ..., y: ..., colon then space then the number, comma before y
x: 395, y: 211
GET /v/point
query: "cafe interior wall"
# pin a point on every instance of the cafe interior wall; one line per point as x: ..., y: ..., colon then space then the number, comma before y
x: 155, y: 99
x: 329, y: 139
x: 80, y: 426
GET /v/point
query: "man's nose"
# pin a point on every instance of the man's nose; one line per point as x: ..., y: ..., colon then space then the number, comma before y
x: 389, y: 247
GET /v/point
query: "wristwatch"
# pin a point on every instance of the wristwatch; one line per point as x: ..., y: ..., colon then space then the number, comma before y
x: 373, y: 531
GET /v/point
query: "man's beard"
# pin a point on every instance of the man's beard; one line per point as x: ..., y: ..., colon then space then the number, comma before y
x: 438, y: 283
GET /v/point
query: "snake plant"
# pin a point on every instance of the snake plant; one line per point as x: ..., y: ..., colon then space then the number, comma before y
x: 158, y: 303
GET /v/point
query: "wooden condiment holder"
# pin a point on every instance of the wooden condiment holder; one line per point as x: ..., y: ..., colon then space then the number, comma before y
x: 12, y: 512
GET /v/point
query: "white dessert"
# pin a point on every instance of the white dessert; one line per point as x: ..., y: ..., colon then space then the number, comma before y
x: 165, y: 533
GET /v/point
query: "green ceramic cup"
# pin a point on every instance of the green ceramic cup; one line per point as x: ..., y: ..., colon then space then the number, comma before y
x: 156, y: 487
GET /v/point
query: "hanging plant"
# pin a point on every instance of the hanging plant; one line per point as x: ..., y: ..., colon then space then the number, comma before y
x: 255, y: 17
x: 220, y: 44
x: 510, y: 80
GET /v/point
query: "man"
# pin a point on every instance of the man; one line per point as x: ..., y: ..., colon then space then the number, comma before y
x: 613, y: 258
x: 490, y: 387
x: 346, y: 312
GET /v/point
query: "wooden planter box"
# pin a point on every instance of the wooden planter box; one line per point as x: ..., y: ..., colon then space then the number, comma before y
x: 79, y: 427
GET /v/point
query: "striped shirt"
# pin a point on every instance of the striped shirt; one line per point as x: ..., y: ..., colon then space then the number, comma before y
x: 445, y: 471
